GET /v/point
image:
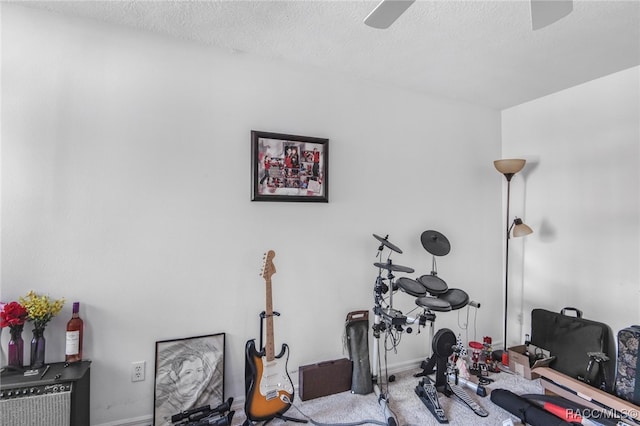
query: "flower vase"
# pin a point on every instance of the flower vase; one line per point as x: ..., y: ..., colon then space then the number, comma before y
x: 37, y: 348
x: 15, y: 354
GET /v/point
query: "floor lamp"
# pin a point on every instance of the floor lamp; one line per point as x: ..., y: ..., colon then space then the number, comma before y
x: 509, y: 168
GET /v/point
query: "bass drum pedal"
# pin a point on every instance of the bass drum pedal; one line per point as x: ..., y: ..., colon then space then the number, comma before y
x: 443, y: 345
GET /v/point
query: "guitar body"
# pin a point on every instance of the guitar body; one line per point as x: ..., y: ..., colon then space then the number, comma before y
x: 269, y: 389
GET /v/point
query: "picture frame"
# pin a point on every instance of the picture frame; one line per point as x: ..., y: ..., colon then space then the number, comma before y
x: 189, y: 373
x: 289, y: 167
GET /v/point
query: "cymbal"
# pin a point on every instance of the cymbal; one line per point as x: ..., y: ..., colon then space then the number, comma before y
x: 392, y: 267
x: 387, y: 243
x: 435, y: 243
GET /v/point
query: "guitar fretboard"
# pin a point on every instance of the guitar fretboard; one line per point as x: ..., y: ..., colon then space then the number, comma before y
x: 269, y: 345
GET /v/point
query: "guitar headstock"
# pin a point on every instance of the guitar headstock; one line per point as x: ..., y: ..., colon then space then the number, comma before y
x: 268, y: 268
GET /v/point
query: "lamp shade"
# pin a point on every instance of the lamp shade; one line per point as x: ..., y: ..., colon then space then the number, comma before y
x: 520, y: 229
x: 509, y: 166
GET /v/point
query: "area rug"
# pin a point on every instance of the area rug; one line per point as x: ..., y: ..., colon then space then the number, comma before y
x: 350, y: 409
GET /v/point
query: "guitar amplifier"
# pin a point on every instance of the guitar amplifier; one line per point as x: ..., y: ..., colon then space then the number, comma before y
x: 324, y: 378
x: 57, y: 396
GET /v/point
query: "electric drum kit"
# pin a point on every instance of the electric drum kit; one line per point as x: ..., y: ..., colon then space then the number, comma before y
x: 431, y: 292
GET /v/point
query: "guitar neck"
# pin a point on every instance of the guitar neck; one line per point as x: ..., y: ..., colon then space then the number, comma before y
x: 269, y: 346
x: 268, y: 269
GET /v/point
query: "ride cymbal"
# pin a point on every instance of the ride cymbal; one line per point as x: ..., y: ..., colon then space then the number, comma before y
x: 392, y: 267
x: 435, y: 243
x: 387, y: 243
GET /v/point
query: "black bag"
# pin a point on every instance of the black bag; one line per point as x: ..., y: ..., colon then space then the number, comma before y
x: 571, y: 339
x: 527, y: 411
x: 627, y: 387
x: 357, y: 341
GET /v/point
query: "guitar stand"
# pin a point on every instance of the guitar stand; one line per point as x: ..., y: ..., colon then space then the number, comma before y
x: 247, y: 422
x: 263, y: 316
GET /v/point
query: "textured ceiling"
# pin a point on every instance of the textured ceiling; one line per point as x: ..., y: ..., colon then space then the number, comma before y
x: 483, y: 52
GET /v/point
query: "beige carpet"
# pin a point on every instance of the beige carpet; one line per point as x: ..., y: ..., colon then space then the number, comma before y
x: 409, y: 410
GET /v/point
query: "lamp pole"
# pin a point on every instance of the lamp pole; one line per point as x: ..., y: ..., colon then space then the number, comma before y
x: 506, y: 260
x: 508, y: 168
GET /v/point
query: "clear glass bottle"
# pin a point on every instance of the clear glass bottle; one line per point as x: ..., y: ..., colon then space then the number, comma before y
x: 75, y: 330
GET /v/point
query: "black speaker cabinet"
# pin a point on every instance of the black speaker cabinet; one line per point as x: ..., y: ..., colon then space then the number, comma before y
x: 54, y: 396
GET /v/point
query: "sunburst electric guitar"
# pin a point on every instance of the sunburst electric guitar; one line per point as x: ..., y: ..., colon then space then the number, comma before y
x: 268, y: 385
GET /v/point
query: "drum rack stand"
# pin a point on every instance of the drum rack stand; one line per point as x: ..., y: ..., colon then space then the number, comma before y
x: 442, y: 343
x: 384, y: 321
x: 383, y: 397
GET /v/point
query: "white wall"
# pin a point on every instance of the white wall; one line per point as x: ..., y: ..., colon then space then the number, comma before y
x: 581, y: 193
x: 125, y: 186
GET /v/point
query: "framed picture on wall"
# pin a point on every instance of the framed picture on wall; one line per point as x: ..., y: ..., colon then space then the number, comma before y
x: 289, y: 167
x: 189, y: 374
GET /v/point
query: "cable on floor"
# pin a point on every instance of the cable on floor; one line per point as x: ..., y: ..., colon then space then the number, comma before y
x: 363, y: 422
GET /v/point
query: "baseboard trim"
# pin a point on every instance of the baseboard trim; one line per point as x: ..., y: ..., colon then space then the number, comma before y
x: 405, y: 366
x: 134, y: 421
x: 238, y: 403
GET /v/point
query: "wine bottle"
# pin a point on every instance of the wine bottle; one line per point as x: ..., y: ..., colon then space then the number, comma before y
x: 75, y: 330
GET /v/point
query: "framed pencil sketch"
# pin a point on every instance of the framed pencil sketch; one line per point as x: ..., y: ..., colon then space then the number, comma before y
x: 289, y: 167
x: 189, y: 374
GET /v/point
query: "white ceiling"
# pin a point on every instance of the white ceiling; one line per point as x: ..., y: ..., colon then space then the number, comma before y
x: 483, y: 52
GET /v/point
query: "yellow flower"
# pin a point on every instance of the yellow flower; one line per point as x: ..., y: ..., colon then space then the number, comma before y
x: 41, y: 309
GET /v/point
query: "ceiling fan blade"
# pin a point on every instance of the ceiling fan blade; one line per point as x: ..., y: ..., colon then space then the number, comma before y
x: 386, y: 13
x: 546, y: 12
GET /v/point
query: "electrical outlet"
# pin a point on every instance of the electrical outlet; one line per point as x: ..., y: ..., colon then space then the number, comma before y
x: 137, y: 371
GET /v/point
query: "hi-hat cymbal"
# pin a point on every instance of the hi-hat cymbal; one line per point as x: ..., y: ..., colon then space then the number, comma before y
x: 435, y: 243
x: 387, y: 243
x: 392, y: 267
